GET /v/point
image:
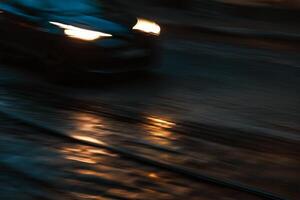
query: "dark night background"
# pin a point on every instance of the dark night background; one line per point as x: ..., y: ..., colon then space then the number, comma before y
x: 224, y: 102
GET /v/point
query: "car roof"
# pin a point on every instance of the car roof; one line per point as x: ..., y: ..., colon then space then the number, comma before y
x: 57, y: 5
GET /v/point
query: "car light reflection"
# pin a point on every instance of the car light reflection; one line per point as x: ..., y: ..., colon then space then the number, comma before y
x: 79, y: 159
x: 87, y: 122
x: 159, y: 130
x: 153, y: 175
x: 88, y: 139
x: 80, y: 33
x: 161, y: 122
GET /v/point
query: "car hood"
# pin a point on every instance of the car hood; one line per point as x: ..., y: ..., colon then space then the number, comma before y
x: 97, y: 23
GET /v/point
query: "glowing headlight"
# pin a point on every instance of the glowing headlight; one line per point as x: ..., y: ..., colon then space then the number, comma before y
x: 80, y: 33
x: 147, y: 26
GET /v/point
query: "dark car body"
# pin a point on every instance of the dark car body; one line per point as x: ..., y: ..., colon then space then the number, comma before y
x: 26, y: 26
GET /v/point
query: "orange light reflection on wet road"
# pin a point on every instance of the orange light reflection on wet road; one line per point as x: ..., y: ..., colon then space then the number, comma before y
x: 160, y: 122
x: 87, y: 139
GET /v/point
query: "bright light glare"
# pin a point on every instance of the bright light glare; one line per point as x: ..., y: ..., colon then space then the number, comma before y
x: 147, y: 26
x: 80, y: 33
x: 88, y: 139
x: 161, y: 122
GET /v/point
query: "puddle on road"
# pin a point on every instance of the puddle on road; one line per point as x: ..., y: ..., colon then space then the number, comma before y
x: 83, y: 172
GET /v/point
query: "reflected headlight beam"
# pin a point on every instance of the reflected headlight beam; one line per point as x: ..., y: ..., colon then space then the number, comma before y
x: 147, y: 26
x: 80, y: 33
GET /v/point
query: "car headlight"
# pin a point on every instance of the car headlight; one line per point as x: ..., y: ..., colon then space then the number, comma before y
x: 80, y: 33
x: 147, y: 26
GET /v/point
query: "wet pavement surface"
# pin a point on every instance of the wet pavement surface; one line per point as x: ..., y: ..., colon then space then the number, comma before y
x: 213, y: 109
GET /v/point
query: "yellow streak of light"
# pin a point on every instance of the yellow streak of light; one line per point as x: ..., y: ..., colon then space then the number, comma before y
x: 87, y: 139
x: 161, y: 122
x: 86, y: 122
x: 160, y: 133
x: 153, y: 175
x: 88, y: 196
x: 103, y: 152
x: 84, y: 160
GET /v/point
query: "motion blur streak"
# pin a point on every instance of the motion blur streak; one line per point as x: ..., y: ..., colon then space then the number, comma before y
x: 160, y: 122
x: 86, y: 122
x: 205, y: 107
x: 77, y: 158
x: 147, y: 26
x: 87, y: 139
x: 80, y: 33
x: 153, y: 175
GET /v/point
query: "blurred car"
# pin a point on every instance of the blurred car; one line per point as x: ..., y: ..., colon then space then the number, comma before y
x: 79, y: 35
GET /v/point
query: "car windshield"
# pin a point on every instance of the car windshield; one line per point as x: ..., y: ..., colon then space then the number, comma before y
x: 62, y: 6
